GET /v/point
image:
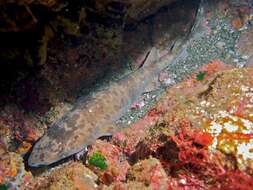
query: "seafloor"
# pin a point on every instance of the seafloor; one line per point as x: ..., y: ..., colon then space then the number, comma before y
x: 193, y: 132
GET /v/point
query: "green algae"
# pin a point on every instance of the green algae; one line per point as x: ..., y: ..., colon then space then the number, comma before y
x: 3, y: 187
x: 98, y: 160
x: 201, y: 75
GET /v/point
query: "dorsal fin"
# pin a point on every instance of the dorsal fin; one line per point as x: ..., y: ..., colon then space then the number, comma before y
x: 151, y: 57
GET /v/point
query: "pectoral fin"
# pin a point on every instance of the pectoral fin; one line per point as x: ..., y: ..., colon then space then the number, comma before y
x: 151, y: 57
x: 147, y: 58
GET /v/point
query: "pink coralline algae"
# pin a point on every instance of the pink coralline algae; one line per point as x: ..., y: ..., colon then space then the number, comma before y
x: 151, y: 173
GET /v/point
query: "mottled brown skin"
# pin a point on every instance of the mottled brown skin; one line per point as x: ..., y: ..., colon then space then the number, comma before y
x: 92, y: 119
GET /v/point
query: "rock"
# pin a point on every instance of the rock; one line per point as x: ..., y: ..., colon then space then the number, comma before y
x: 196, y: 126
x: 222, y: 109
x: 145, y: 175
x: 68, y: 177
x: 198, y: 133
x: 13, y: 173
x: 129, y: 138
x: 128, y: 186
x: 17, y: 130
x: 149, y: 172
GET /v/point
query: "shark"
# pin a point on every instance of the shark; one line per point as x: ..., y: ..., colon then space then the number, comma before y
x: 96, y: 116
x: 92, y: 119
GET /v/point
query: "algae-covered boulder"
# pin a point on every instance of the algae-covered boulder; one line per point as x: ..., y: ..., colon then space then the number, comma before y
x: 68, y: 177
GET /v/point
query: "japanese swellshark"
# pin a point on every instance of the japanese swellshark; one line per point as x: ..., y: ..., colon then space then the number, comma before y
x: 89, y: 120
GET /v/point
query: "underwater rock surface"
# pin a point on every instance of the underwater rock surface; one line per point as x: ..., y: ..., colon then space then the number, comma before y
x: 199, y: 133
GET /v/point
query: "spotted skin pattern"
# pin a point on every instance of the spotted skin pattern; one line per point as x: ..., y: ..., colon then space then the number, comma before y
x: 89, y: 120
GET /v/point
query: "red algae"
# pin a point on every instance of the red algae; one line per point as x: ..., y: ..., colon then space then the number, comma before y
x: 233, y: 180
x: 202, y: 138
